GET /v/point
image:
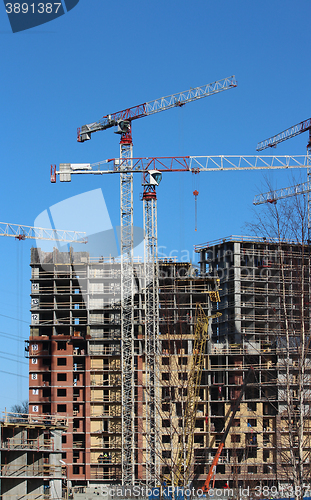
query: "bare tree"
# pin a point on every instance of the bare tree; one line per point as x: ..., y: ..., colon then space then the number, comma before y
x: 284, y: 225
x: 18, y: 411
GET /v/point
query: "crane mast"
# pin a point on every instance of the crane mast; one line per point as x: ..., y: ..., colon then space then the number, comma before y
x: 151, y: 297
x: 127, y: 311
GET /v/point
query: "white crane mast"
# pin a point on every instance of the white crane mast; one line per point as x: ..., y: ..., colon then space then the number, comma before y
x: 151, y: 296
x: 127, y: 314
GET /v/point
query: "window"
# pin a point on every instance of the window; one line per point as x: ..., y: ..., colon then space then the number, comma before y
x: 165, y: 376
x: 165, y: 423
x: 166, y: 439
x: 61, y: 408
x: 61, y: 345
x: 183, y: 376
x: 76, y: 469
x: 182, y: 392
x: 64, y: 439
x: 61, y: 393
x: 165, y: 361
x: 252, y: 422
x: 183, y: 361
x: 61, y: 361
x: 235, y: 438
x: 62, y: 377
x: 166, y: 453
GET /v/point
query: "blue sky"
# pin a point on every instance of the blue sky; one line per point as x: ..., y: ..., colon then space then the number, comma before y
x: 104, y: 56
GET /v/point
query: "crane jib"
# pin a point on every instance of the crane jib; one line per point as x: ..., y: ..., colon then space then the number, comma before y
x: 151, y: 107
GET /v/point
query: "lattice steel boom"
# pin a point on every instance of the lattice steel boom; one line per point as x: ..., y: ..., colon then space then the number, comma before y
x: 182, y: 164
x: 40, y: 233
x: 283, y: 136
x: 280, y: 194
x: 151, y: 107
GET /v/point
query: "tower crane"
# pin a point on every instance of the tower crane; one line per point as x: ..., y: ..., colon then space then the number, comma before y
x: 297, y: 129
x: 122, y: 121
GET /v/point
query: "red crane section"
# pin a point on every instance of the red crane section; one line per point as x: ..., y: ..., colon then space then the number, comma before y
x: 225, y: 434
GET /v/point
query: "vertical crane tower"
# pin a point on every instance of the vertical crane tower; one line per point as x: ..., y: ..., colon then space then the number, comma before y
x: 122, y: 120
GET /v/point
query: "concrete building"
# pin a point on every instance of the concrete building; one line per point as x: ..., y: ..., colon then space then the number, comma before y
x: 75, y: 356
x: 265, y: 323
x: 75, y: 360
x: 31, y: 451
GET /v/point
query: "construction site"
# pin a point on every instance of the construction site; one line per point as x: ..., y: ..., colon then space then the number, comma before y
x: 174, y: 374
x: 76, y: 366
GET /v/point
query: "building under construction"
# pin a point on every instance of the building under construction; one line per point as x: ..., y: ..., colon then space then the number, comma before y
x: 75, y: 368
x: 31, y: 450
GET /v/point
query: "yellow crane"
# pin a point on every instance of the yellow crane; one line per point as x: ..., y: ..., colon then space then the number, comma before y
x: 183, y: 467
